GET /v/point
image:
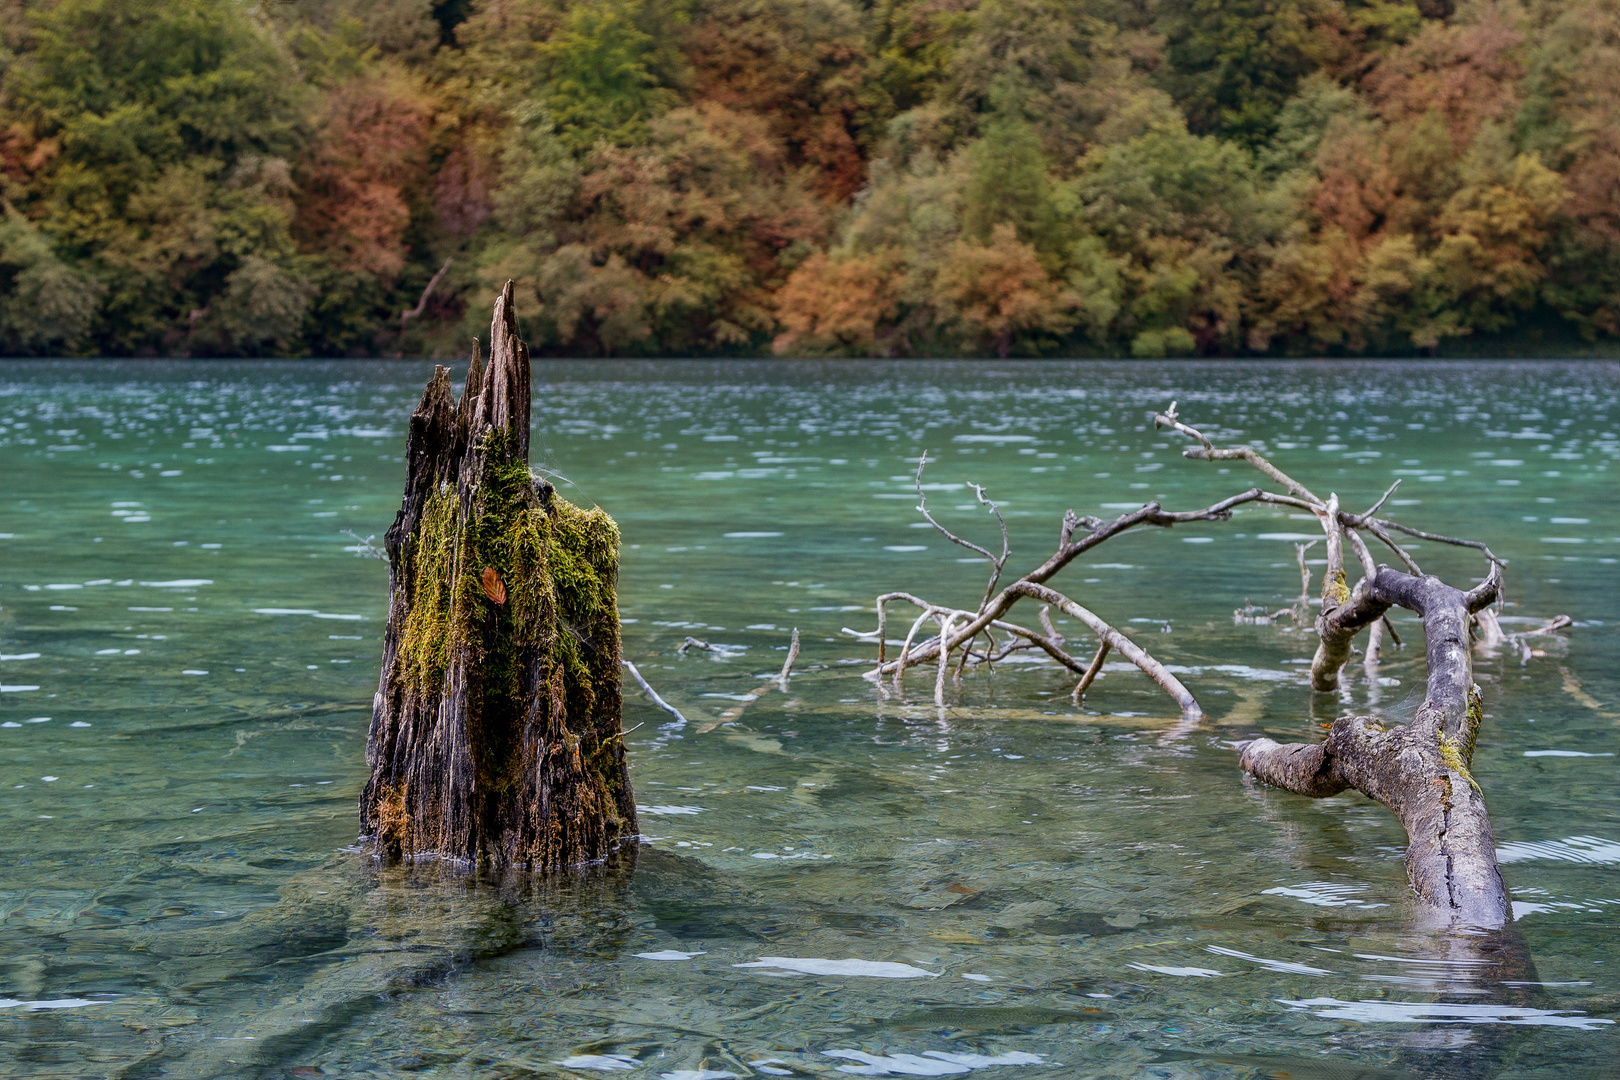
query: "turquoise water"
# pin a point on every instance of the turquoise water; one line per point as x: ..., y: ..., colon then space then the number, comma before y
x: 1012, y: 885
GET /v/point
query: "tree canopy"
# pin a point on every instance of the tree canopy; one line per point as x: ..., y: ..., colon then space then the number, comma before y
x: 845, y: 177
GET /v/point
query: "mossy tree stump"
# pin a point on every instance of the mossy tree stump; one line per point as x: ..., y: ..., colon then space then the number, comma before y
x: 495, y: 733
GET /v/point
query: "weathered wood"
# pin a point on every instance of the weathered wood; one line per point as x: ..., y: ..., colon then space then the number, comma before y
x: 495, y: 734
x: 1418, y: 770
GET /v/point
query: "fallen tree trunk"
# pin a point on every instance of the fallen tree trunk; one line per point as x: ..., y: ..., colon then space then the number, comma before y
x: 1418, y: 770
x: 495, y: 734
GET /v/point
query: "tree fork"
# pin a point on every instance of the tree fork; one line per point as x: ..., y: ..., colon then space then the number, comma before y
x: 495, y: 734
x: 1418, y: 770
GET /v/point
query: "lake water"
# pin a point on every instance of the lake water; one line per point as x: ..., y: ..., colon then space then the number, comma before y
x: 844, y: 879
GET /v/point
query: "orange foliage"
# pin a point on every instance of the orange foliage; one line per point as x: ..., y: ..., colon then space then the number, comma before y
x: 1357, y: 187
x: 1000, y: 290
x: 842, y: 306
x: 678, y: 241
x: 370, y: 156
x: 795, y: 64
x: 1468, y: 74
x: 709, y: 173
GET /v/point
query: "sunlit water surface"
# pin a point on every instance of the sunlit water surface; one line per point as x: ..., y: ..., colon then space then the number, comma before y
x: 842, y: 879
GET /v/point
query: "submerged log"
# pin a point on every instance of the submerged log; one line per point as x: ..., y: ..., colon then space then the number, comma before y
x: 1418, y: 770
x: 495, y: 733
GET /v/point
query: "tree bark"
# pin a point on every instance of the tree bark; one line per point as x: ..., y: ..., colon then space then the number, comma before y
x: 495, y: 734
x: 1418, y: 770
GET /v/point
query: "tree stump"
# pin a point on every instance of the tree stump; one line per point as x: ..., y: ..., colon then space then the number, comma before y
x: 495, y: 733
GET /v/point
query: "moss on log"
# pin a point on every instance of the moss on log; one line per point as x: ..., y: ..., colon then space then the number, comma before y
x: 495, y: 734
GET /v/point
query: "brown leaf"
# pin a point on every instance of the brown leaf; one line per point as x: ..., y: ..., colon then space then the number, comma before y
x: 494, y: 588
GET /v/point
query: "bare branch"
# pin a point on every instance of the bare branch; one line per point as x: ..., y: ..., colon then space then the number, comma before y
x: 1006, y: 546
x: 1373, y: 526
x: 653, y: 694
x: 922, y: 508
x: 1437, y: 538
x: 1302, y: 606
x: 996, y: 563
x: 1334, y: 589
x: 1091, y: 672
x: 1071, y: 521
x: 905, y: 649
x: 882, y: 613
x: 1389, y: 628
x: 1375, y: 647
x: 944, y: 660
x: 1128, y: 648
x: 1207, y: 451
x: 364, y: 548
x: 421, y: 305
x: 1359, y: 520
x: 1486, y: 591
x: 787, y: 665
x: 1551, y: 626
x: 1363, y: 556
x: 1150, y: 514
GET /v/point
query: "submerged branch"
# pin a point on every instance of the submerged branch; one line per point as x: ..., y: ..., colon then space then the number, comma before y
x: 1420, y: 771
x: 652, y: 694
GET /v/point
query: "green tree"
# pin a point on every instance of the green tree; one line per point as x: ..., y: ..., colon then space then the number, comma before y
x: 612, y: 67
x: 45, y: 306
x: 1231, y: 64
x: 1187, y: 222
x: 1056, y: 63
x: 1009, y: 182
x: 161, y: 131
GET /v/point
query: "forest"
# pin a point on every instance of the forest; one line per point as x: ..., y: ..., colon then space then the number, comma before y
x: 809, y: 177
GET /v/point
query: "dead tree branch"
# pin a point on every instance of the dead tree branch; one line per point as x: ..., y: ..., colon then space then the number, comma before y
x: 992, y: 609
x: 779, y: 681
x: 1114, y: 640
x: 787, y: 665
x: 996, y: 562
x: 421, y: 304
x: 1419, y: 770
x: 652, y: 695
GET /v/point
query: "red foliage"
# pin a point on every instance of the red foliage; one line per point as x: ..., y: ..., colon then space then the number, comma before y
x: 371, y: 152
x: 1468, y: 74
x: 796, y: 70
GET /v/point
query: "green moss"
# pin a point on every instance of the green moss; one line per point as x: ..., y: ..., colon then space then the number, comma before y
x: 1451, y: 755
x: 1476, y: 712
x: 424, y: 644
x: 559, y: 566
x: 1335, y: 593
